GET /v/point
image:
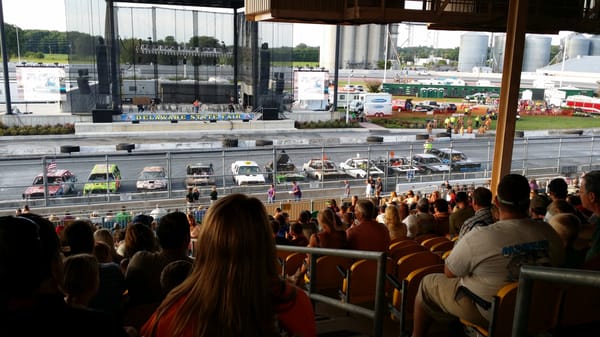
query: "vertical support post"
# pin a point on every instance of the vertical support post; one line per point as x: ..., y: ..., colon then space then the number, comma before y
x: 5, y: 62
x: 155, y: 55
x: 236, y: 41
x: 223, y: 165
x: 107, y: 181
x: 560, y: 144
x: 380, y: 308
x: 45, y: 177
x: 336, y: 72
x: 169, y: 176
x: 511, y: 78
x: 591, y: 153
x: 114, y: 56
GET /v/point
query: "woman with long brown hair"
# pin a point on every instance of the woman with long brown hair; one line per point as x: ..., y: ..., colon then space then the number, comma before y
x: 233, y: 288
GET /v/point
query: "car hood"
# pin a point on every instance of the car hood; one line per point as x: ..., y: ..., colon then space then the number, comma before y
x: 158, y: 183
x: 52, y: 189
x: 251, y: 178
x: 438, y: 167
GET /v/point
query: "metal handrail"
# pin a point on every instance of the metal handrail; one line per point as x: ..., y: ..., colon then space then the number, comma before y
x: 377, y: 314
x: 529, y: 274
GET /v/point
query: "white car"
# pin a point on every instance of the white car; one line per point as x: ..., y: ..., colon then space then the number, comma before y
x: 152, y: 178
x: 319, y: 169
x: 429, y: 163
x: 246, y: 172
x: 360, y: 168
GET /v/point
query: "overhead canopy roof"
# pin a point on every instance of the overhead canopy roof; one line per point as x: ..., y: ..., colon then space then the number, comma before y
x: 198, y: 3
x: 544, y: 17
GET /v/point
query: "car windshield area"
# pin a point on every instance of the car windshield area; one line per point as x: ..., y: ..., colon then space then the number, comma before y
x: 247, y: 170
x: 39, y: 180
x: 97, y: 177
x: 432, y: 161
x: 457, y: 156
x: 152, y: 175
x: 199, y: 171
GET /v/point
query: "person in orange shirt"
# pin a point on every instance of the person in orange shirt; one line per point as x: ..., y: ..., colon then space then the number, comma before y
x: 233, y: 288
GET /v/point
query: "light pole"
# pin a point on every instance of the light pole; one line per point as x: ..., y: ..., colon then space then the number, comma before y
x: 347, y: 93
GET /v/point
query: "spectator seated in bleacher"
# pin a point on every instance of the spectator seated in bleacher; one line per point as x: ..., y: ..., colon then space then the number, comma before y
x: 366, y: 233
x: 486, y: 259
x: 31, y: 279
x: 145, y: 267
x: 234, y: 288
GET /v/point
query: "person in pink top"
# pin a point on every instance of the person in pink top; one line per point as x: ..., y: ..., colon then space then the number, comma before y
x: 367, y: 234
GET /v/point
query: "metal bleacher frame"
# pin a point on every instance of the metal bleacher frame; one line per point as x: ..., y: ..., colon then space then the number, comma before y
x: 527, y: 277
x: 379, y: 310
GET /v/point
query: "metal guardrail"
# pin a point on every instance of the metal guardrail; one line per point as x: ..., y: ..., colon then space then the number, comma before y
x: 556, y: 275
x: 376, y: 314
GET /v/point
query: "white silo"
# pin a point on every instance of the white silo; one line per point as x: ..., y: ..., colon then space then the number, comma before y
x: 361, y: 44
x: 536, y: 53
x: 498, y: 52
x: 578, y: 46
x: 473, y: 51
x: 348, y: 47
x: 327, y: 49
x: 595, y: 45
x: 376, y: 46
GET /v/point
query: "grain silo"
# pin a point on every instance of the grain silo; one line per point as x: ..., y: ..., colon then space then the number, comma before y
x: 473, y: 51
x: 498, y: 53
x: 537, y: 52
x: 595, y: 45
x: 578, y: 46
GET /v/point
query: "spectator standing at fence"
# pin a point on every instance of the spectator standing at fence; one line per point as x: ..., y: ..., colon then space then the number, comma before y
x: 196, y: 105
x: 213, y: 195
x: 346, y: 189
x: 271, y: 192
x: 296, y: 191
x: 123, y: 217
x: 158, y: 213
x: 230, y: 296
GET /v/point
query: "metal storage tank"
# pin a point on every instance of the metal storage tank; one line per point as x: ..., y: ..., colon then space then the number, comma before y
x: 498, y: 53
x: 473, y: 51
x: 347, y: 50
x: 578, y: 46
x: 537, y: 52
x: 595, y: 45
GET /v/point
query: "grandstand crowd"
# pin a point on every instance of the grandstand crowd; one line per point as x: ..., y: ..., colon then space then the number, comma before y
x: 216, y: 270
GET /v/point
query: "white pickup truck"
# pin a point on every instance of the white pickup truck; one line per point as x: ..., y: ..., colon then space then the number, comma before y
x: 246, y: 172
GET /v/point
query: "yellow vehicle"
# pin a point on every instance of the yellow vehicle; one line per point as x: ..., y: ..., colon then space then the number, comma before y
x: 102, y: 178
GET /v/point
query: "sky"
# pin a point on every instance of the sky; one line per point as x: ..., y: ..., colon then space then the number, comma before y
x: 50, y: 15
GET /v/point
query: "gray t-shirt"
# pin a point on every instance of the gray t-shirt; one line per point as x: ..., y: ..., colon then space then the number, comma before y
x: 489, y: 257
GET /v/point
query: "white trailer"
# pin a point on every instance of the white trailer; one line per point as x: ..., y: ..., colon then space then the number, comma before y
x: 373, y: 104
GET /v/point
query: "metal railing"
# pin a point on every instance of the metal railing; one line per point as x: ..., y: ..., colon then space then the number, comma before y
x: 379, y: 310
x: 527, y: 277
x: 532, y: 157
